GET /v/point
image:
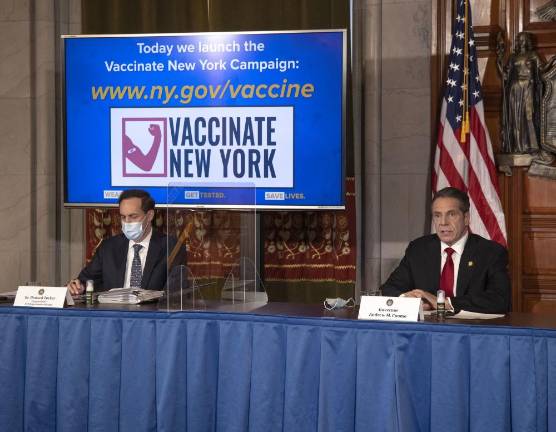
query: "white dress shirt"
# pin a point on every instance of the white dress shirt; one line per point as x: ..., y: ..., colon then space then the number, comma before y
x: 456, y: 257
x: 142, y: 256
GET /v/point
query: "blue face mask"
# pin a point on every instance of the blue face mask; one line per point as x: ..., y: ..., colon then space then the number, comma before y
x: 133, y: 230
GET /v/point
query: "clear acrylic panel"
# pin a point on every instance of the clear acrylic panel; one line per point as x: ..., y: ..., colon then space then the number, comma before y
x: 219, y: 269
x: 183, y: 290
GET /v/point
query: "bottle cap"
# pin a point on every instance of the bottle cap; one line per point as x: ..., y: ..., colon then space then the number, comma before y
x: 440, y: 296
x: 90, y: 285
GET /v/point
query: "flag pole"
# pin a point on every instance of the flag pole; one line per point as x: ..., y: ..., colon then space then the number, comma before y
x: 465, y: 124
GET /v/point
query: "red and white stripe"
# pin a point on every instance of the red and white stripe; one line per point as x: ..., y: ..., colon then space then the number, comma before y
x: 470, y: 167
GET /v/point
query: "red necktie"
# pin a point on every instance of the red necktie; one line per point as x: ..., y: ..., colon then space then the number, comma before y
x: 447, y: 275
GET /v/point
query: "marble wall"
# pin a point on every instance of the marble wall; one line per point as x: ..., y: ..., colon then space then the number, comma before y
x: 30, y: 142
x: 397, y: 125
x: 72, y: 247
x: 42, y: 241
x: 15, y: 149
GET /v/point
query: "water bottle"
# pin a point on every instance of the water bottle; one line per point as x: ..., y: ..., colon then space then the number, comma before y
x: 89, y: 292
x: 440, y: 305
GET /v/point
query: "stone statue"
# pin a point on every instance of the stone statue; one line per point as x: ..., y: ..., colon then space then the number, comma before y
x: 547, y: 11
x: 528, y: 131
x: 548, y: 114
x: 521, y: 97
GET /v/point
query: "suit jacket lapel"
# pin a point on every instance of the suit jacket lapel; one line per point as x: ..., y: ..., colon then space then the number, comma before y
x: 465, y: 270
x: 433, y: 255
x: 156, y: 248
x: 120, y: 260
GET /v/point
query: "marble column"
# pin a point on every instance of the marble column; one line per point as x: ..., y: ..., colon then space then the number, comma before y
x: 371, y: 131
x: 396, y: 144
x: 30, y: 139
x: 406, y: 141
x: 72, y: 221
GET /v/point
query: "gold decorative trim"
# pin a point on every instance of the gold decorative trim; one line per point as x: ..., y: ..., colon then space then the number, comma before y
x: 310, y: 266
x: 339, y: 282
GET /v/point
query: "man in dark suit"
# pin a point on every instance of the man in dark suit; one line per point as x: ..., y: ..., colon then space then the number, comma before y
x: 471, y: 270
x: 135, y: 258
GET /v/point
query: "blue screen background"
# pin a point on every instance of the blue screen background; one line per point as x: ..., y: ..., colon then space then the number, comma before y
x: 318, y: 121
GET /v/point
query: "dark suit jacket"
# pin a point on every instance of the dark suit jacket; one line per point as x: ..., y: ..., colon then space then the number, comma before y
x: 107, y: 268
x: 483, y: 283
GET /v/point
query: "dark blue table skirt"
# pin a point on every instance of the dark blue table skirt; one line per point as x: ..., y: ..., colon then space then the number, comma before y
x: 76, y: 370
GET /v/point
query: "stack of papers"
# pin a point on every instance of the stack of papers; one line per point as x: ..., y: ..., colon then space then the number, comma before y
x: 129, y: 296
x: 463, y: 314
x: 8, y: 297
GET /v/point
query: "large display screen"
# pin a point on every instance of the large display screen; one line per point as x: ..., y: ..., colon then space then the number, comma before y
x: 237, y: 110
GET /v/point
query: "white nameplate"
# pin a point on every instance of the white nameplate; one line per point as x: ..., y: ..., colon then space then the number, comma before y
x: 390, y: 308
x: 41, y: 296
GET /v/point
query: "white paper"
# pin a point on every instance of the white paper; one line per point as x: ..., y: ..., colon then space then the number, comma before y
x: 463, y: 314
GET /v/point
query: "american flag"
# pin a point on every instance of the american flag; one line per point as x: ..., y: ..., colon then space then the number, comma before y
x: 464, y: 157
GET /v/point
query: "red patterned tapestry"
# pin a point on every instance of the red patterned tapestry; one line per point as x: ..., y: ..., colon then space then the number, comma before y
x: 316, y: 246
x: 213, y: 236
x: 312, y: 246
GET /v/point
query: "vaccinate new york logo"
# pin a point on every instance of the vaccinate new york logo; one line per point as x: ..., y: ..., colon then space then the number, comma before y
x: 144, y: 147
x: 246, y: 146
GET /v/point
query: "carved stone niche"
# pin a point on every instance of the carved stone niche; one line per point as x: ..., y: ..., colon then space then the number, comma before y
x: 506, y: 161
x: 548, y: 108
x: 547, y: 12
x: 541, y: 164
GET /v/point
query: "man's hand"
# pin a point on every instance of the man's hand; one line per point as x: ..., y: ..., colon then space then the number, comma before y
x: 76, y: 287
x: 429, y: 300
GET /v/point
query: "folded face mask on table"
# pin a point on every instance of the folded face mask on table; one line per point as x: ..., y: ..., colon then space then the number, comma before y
x: 338, y: 303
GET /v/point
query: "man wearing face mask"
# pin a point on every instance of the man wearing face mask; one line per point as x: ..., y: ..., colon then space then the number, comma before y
x: 135, y: 258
